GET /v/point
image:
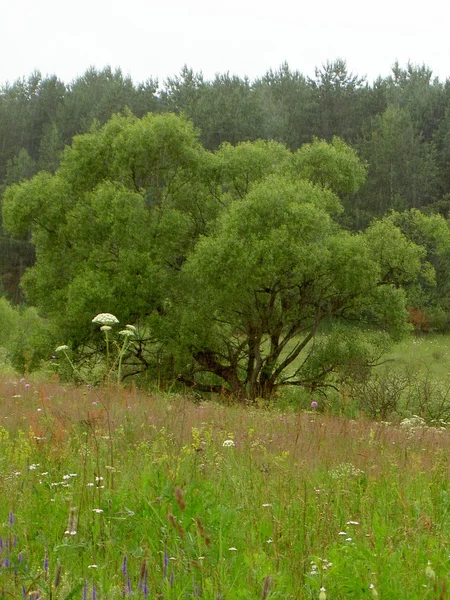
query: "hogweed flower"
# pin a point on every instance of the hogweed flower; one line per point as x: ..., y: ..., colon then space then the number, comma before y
x: 126, y: 332
x: 105, y: 328
x: 105, y: 319
x: 228, y: 444
x: 61, y: 348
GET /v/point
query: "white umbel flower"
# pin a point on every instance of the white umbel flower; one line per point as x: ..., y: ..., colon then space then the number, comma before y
x: 105, y: 319
x: 228, y: 444
x: 127, y: 332
x: 61, y: 348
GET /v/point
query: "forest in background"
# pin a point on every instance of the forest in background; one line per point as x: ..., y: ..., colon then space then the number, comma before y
x: 230, y: 221
x: 399, y: 125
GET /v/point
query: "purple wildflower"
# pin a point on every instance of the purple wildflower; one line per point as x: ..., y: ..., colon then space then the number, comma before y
x: 46, y: 563
x: 11, y: 517
x: 6, y: 562
x: 124, y: 565
x: 27, y: 385
x: 129, y: 590
x: 94, y: 592
x: 85, y: 590
x: 15, y: 540
x: 143, y: 579
x: 20, y: 557
x: 24, y: 592
x: 166, y: 563
x: 314, y: 404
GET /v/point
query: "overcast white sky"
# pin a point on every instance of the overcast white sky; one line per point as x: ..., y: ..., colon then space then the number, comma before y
x: 245, y: 37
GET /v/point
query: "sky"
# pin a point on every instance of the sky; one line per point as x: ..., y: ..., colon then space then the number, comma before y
x: 155, y: 38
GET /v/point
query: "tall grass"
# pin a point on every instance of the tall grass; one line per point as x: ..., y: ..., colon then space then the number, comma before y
x: 114, y: 493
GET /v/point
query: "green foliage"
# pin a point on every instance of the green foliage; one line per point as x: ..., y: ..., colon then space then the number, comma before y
x: 231, y: 262
x: 333, y: 166
x: 27, y: 339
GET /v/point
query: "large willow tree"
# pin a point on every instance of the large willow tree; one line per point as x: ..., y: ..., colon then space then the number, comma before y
x: 232, y: 264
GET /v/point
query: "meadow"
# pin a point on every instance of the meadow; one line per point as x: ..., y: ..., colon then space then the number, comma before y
x: 109, y: 493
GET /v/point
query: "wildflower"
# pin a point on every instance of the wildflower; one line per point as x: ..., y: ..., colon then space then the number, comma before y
x: 429, y: 572
x: 124, y: 565
x: 166, y: 563
x: 105, y: 328
x: 61, y: 348
x: 267, y: 505
x: 11, y: 517
x: 27, y: 386
x: 46, y: 563
x: 228, y: 444
x: 322, y: 594
x: 105, y: 319
x: 352, y: 522
x: 232, y: 549
x: 97, y: 510
x: 131, y: 327
x: 92, y: 566
x: 314, y: 404
x: 373, y: 591
x: 126, y: 332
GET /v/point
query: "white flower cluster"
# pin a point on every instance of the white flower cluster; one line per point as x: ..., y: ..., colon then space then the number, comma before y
x: 413, y: 422
x: 61, y: 348
x: 105, y: 319
x: 346, y: 471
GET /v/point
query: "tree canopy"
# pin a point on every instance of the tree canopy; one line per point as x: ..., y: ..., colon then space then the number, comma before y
x: 232, y: 264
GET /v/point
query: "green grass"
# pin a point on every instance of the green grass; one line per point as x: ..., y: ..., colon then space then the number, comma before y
x: 430, y: 353
x: 299, y: 502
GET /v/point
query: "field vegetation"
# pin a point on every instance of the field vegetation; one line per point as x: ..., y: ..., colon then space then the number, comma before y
x: 264, y: 410
x: 111, y: 492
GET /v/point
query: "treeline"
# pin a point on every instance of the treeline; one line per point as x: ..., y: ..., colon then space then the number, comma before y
x: 399, y: 126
